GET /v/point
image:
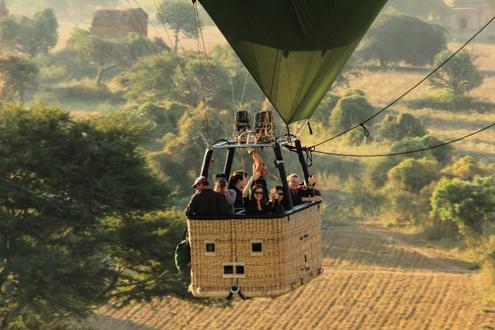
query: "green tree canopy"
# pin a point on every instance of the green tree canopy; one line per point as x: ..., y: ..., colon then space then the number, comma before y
x: 413, y: 174
x: 182, y: 153
x: 75, y: 222
x: 17, y: 74
x: 465, y: 168
x: 30, y: 36
x: 110, y: 53
x: 459, y: 76
x: 189, y: 80
x: 349, y: 111
x: 398, y: 38
x: 180, y: 16
x: 470, y: 204
x: 395, y: 128
x: 378, y: 171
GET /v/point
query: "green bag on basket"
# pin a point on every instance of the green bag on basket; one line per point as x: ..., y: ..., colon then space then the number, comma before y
x: 183, y: 253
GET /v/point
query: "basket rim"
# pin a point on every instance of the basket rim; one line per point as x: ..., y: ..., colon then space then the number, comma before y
x: 295, y: 209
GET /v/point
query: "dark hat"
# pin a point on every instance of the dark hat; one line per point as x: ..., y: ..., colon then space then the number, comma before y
x: 201, y: 179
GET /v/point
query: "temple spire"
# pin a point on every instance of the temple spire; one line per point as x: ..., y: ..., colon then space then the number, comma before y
x: 3, y: 9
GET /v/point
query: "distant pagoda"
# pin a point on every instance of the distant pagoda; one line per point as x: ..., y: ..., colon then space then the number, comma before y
x: 3, y: 9
x: 119, y: 23
x: 469, y: 15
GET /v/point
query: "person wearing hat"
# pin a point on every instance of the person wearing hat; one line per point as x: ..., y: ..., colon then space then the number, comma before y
x: 207, y: 202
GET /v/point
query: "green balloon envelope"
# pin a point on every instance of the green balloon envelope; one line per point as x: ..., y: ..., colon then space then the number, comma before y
x: 294, y: 49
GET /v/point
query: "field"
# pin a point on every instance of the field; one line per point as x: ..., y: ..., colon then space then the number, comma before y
x: 374, y: 278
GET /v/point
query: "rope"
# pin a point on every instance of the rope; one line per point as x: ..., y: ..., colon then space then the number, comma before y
x: 200, y: 36
x: 151, y: 23
x: 412, y: 88
x: 150, y: 46
x: 244, y: 87
x: 410, y: 151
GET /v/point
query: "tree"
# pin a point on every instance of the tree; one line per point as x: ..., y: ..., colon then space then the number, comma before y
x: 180, y: 17
x: 466, y: 168
x: 239, y: 86
x: 443, y: 155
x: 181, y: 155
x: 78, y: 221
x: 459, y: 76
x: 403, y: 38
x: 470, y: 204
x: 150, y: 79
x: 190, y: 81
x: 395, y: 128
x: 150, y: 122
x: 413, y: 174
x: 30, y: 36
x: 17, y: 74
x: 109, y: 53
x: 349, y: 111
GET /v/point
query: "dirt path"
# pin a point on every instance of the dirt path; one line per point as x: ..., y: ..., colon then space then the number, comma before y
x: 374, y: 279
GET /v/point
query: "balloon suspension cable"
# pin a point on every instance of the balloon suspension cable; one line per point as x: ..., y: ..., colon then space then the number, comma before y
x: 439, y: 145
x: 244, y: 87
x: 448, y: 59
x: 150, y: 46
x: 211, y: 76
x: 161, y: 18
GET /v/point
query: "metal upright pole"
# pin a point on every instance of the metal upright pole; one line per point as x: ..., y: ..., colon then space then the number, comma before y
x: 206, y: 162
x: 279, y: 163
x: 228, y: 162
x: 302, y: 161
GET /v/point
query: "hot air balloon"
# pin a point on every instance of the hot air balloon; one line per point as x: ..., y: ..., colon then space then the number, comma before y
x: 294, y: 49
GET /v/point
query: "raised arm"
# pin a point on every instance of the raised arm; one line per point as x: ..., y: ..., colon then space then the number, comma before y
x: 254, y: 177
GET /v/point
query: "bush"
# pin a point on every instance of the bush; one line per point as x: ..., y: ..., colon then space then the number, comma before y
x: 378, y: 171
x: 87, y: 91
x: 412, y: 175
x: 52, y: 74
x: 70, y: 61
x: 349, y: 111
x: 470, y: 204
x: 395, y: 128
x: 465, y: 168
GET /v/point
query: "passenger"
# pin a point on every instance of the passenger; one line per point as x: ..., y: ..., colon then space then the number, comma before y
x: 260, y: 167
x: 221, y: 188
x: 237, y: 182
x: 207, y: 202
x: 275, y: 204
x: 309, y: 193
x: 255, y: 205
x: 293, y: 181
x: 301, y: 193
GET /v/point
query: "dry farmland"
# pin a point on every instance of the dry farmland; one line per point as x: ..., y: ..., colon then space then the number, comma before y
x: 374, y: 279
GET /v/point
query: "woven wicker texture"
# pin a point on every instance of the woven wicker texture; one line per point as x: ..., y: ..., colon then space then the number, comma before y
x: 290, y: 256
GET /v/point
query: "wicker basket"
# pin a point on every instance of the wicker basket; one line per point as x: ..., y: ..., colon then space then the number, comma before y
x: 260, y: 256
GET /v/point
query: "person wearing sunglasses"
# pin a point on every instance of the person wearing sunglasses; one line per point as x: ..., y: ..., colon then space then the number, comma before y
x: 255, y: 204
x: 275, y: 204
